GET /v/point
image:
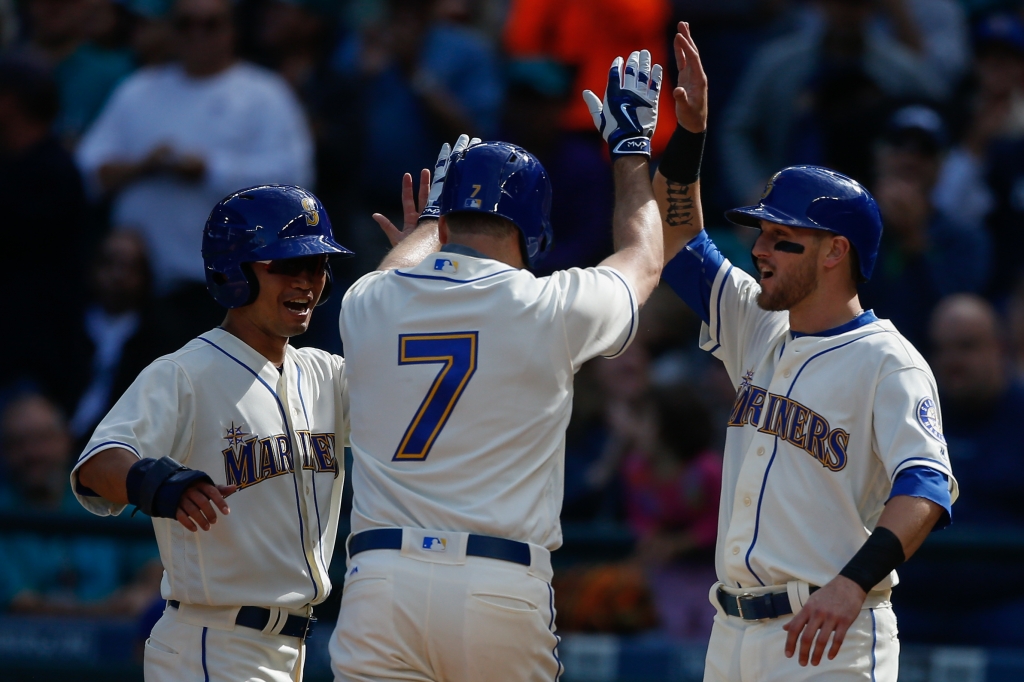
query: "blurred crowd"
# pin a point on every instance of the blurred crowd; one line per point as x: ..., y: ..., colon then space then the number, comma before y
x: 122, y: 122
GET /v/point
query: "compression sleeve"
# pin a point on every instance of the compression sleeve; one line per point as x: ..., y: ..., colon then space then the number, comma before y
x: 691, y: 274
x: 927, y: 483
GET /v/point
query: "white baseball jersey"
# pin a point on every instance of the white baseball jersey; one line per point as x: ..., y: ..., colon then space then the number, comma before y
x: 821, y: 426
x: 460, y: 376
x: 219, y: 406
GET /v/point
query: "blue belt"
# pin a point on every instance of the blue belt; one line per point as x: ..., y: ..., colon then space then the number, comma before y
x: 476, y: 545
x: 756, y: 606
x: 256, y: 617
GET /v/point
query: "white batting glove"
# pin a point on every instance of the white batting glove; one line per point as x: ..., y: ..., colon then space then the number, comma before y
x: 627, y: 116
x: 432, y: 210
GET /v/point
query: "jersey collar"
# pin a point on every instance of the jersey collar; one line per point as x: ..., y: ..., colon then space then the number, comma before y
x: 865, y: 318
x: 463, y: 250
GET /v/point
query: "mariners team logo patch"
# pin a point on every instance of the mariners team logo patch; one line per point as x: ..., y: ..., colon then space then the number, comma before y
x: 312, y: 215
x: 769, y: 187
x: 928, y: 415
x: 235, y: 434
x: 435, y: 544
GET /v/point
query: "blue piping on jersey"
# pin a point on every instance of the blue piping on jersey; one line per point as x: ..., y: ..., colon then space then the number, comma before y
x: 291, y: 443
x: 551, y: 623
x: 717, y: 346
x: 781, y: 350
x: 942, y: 467
x: 206, y: 673
x: 450, y: 279
x: 718, y: 308
x: 316, y: 503
x: 109, y: 442
x: 632, y: 315
x: 764, y: 482
x: 874, y: 641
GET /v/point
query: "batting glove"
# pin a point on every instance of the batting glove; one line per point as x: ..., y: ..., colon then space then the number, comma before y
x: 627, y: 116
x: 432, y: 209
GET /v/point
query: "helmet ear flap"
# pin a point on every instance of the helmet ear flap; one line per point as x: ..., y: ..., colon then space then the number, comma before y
x: 328, y: 286
x: 252, y: 281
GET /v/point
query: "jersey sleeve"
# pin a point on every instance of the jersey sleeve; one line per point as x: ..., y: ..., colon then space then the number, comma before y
x: 599, y: 309
x: 908, y: 425
x: 929, y: 484
x: 341, y: 399
x: 725, y: 298
x: 153, y: 418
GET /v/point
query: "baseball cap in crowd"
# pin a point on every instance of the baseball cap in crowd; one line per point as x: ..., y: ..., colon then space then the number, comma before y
x: 917, y: 127
x: 1002, y: 30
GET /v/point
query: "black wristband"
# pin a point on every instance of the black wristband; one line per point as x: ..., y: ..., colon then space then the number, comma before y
x: 879, y: 556
x: 681, y: 160
x: 155, y: 485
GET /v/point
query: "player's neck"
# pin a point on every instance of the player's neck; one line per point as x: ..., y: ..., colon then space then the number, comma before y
x: 500, y: 249
x: 266, y: 344
x: 824, y: 309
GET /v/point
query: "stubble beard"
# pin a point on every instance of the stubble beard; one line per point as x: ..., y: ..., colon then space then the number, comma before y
x: 790, y: 291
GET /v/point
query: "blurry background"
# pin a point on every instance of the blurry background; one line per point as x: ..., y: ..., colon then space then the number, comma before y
x: 123, y: 121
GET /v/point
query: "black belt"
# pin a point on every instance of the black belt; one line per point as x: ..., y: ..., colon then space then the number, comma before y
x: 476, y: 545
x: 257, y: 617
x: 757, y: 606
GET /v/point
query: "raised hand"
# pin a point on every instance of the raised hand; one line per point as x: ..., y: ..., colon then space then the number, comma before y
x: 425, y: 204
x: 627, y: 116
x: 691, y: 91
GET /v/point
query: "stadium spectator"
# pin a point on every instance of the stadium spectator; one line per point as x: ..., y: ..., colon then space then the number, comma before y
x: 982, y: 404
x: 119, y: 334
x: 406, y: 83
x: 175, y: 139
x: 60, y: 574
x: 818, y: 96
x: 935, y: 30
x: 995, y: 138
x: 86, y: 72
x: 41, y: 202
x: 673, y: 482
x: 929, y: 248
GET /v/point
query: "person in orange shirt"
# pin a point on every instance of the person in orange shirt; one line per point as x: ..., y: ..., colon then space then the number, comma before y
x: 586, y: 35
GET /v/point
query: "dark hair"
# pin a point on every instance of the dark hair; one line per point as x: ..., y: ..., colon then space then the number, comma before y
x: 34, y: 87
x: 684, y: 421
x: 475, y: 222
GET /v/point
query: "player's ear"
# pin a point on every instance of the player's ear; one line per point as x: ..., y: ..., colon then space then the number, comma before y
x: 838, y: 251
x: 442, y: 230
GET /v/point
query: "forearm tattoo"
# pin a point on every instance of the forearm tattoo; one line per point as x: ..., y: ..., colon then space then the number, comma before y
x: 680, y: 205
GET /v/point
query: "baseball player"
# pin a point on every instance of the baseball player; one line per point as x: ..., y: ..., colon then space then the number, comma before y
x: 460, y: 374
x: 237, y: 411
x: 835, y: 464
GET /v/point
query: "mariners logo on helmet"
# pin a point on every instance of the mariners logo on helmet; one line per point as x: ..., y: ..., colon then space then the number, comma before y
x: 312, y: 215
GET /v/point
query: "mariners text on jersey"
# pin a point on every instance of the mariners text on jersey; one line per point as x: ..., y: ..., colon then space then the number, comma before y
x: 253, y: 460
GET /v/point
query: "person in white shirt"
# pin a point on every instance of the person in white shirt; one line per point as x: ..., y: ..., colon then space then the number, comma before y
x: 174, y: 139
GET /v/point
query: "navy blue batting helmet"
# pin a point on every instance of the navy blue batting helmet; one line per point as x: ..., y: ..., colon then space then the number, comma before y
x: 820, y: 199
x: 267, y: 222
x: 507, y: 181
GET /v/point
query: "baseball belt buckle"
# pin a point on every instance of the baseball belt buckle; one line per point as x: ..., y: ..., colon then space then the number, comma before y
x: 746, y: 596
x: 308, y: 630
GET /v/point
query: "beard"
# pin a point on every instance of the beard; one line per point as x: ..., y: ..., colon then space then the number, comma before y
x: 792, y: 288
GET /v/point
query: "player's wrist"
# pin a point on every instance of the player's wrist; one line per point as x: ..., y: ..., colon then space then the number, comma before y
x: 632, y: 145
x: 155, y: 486
x: 682, y: 158
x: 876, y: 559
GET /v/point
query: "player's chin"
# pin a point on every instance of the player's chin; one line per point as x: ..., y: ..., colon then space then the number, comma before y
x: 295, y: 321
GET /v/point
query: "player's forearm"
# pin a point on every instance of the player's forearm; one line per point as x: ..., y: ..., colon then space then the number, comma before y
x: 911, y: 519
x: 106, y: 473
x: 410, y: 251
x: 636, y: 227
x: 681, y: 216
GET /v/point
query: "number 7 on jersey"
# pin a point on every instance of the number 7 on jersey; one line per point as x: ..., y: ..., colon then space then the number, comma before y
x: 457, y: 352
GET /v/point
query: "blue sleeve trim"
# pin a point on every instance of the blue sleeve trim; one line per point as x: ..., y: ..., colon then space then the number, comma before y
x: 691, y: 274
x: 930, y: 484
